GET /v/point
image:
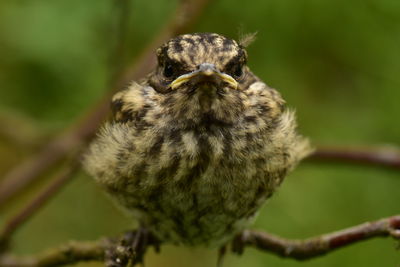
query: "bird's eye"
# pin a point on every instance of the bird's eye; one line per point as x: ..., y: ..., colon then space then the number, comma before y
x: 238, y: 71
x: 168, y: 71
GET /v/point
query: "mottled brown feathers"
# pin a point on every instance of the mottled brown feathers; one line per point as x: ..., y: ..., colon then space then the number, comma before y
x: 195, y: 164
x: 184, y: 53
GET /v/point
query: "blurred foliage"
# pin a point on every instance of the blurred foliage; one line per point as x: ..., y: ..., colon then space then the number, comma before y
x: 335, y: 62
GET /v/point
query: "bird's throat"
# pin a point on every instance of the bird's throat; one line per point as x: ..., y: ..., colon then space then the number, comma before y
x: 206, y: 95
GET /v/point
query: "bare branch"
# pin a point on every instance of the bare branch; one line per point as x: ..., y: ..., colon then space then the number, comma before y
x: 384, y: 157
x: 74, y: 252
x: 68, y: 254
x: 118, y: 50
x: 22, y: 216
x: 183, y: 19
x: 57, y: 149
x: 320, y: 245
x: 29, y: 135
x: 51, y: 154
x: 130, y: 249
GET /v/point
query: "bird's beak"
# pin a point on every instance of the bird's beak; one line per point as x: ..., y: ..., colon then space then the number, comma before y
x: 205, y: 72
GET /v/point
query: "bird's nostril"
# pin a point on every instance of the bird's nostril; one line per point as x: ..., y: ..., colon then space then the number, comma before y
x: 207, y: 68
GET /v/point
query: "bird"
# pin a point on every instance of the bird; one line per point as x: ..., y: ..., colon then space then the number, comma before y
x: 194, y: 150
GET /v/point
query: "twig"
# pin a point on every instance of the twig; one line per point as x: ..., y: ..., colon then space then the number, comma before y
x: 57, y: 149
x: 130, y: 249
x: 22, y: 216
x: 75, y: 252
x: 384, y: 157
x: 318, y: 246
x: 184, y: 18
x: 29, y: 135
x: 64, y: 145
x: 51, y: 154
x: 118, y: 49
x: 68, y: 254
x: 54, y: 152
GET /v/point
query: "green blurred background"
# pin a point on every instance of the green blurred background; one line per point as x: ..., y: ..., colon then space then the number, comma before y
x: 336, y: 62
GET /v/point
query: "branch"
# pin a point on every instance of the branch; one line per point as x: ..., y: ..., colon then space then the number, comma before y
x: 384, y: 157
x: 70, y: 253
x: 320, y: 245
x: 62, y: 177
x: 29, y: 135
x: 74, y: 252
x: 188, y: 12
x: 184, y: 18
x: 51, y: 154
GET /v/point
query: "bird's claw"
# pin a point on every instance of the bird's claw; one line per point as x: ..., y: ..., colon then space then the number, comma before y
x: 130, y: 249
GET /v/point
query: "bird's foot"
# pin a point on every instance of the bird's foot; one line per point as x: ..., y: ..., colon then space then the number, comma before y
x: 221, y: 255
x: 238, y: 243
x: 130, y: 249
x: 237, y: 247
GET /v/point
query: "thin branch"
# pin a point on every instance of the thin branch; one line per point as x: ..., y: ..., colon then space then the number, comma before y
x: 51, y: 154
x: 74, y: 252
x: 118, y: 49
x: 70, y: 253
x: 29, y: 135
x: 66, y: 173
x: 61, y: 178
x: 130, y: 249
x: 57, y: 149
x: 182, y: 20
x: 320, y: 245
x: 384, y: 157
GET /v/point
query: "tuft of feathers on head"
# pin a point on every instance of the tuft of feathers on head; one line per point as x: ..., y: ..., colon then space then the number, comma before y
x: 246, y: 39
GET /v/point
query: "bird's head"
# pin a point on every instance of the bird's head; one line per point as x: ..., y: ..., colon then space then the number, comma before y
x: 202, y: 74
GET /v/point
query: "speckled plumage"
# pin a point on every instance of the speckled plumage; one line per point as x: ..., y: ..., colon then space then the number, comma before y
x: 195, y: 163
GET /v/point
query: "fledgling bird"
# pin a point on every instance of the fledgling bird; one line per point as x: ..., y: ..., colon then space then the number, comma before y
x: 195, y: 149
